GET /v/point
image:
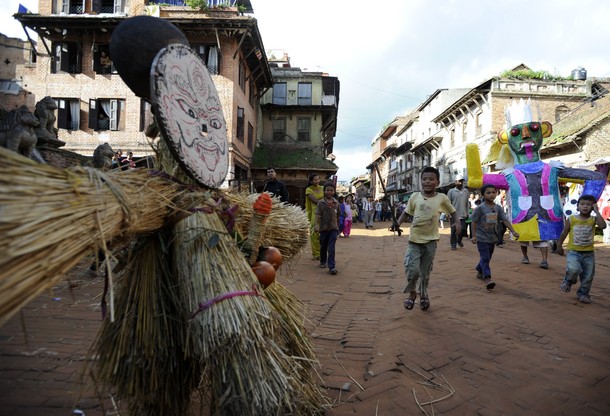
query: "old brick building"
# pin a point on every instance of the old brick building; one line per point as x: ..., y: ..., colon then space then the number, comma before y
x: 73, y: 66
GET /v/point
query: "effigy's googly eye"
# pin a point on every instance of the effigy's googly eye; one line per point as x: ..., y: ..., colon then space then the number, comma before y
x: 515, y: 132
x: 534, y: 127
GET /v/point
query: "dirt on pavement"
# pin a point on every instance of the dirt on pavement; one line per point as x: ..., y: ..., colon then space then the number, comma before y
x: 524, y: 348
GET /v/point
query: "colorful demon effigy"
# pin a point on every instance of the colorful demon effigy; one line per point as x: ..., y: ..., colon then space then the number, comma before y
x: 535, y: 205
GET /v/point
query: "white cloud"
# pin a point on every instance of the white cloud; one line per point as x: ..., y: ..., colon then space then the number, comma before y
x: 352, y: 163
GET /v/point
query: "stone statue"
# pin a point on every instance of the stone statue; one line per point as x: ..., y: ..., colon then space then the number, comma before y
x: 102, y: 157
x: 17, y: 131
x: 46, y: 131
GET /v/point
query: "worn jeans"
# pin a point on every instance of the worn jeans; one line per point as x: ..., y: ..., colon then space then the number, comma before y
x: 580, y: 264
x: 455, y: 238
x: 418, y: 265
x: 486, y: 250
x: 328, y: 239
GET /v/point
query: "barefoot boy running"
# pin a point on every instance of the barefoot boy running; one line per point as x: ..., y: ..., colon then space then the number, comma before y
x: 425, y: 207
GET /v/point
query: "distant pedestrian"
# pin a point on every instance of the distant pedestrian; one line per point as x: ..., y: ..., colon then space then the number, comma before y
x: 441, y: 220
x: 580, y: 260
x: 425, y: 208
x: 341, y: 214
x: 348, y: 209
x: 501, y: 200
x: 368, y: 208
x: 459, y: 199
x: 605, y: 211
x: 327, y: 224
x: 274, y: 186
x: 313, y: 194
x: 378, y: 211
x: 485, y: 219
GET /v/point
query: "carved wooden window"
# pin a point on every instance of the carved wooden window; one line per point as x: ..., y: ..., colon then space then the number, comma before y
x: 68, y: 113
x: 240, y: 124
x: 106, y: 114
x: 250, y: 136
x: 210, y: 57
x: 102, y: 64
x: 66, y: 58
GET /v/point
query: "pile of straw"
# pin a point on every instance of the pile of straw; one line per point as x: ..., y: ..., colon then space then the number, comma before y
x: 51, y: 218
x: 140, y: 355
x: 286, y: 228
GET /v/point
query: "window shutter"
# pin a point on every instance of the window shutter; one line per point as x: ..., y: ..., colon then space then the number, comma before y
x: 114, y: 115
x: 97, y: 66
x: 64, y: 57
x: 62, y: 114
x: 118, y: 6
x: 93, y: 114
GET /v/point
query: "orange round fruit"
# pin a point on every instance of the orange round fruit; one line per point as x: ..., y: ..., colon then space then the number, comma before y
x: 272, y: 255
x: 265, y: 273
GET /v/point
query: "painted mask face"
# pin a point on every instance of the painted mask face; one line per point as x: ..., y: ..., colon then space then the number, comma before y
x: 524, y: 141
x: 190, y: 114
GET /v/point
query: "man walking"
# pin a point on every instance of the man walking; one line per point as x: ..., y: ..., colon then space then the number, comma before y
x: 275, y: 187
x: 368, y: 208
x: 459, y: 199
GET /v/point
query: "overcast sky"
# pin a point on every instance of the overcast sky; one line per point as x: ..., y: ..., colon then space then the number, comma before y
x: 391, y: 55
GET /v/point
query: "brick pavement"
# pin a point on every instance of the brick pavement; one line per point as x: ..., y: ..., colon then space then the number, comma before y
x: 524, y: 349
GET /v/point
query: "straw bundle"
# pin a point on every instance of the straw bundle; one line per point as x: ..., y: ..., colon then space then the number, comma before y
x: 245, y: 370
x: 50, y: 218
x: 286, y: 228
x: 293, y: 338
x: 262, y: 208
x: 140, y: 356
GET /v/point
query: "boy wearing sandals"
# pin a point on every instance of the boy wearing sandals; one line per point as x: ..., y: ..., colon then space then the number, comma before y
x: 425, y: 208
x: 485, y: 220
x: 580, y: 261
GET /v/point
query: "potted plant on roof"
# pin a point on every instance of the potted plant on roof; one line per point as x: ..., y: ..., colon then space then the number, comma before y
x: 221, y: 9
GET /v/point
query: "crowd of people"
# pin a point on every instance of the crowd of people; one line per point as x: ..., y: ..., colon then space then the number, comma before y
x: 480, y: 216
x: 123, y: 162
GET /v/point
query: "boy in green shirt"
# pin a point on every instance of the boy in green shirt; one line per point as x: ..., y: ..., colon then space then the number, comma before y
x: 425, y: 207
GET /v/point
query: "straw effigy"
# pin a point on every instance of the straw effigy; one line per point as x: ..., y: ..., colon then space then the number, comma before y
x: 239, y: 342
x: 232, y: 326
x: 264, y: 364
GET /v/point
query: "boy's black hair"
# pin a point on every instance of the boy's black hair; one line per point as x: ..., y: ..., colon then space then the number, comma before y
x: 486, y: 187
x: 586, y: 198
x: 329, y: 184
x: 428, y: 169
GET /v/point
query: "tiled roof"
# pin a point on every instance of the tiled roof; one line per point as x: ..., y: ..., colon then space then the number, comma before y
x: 289, y: 158
x: 581, y: 119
